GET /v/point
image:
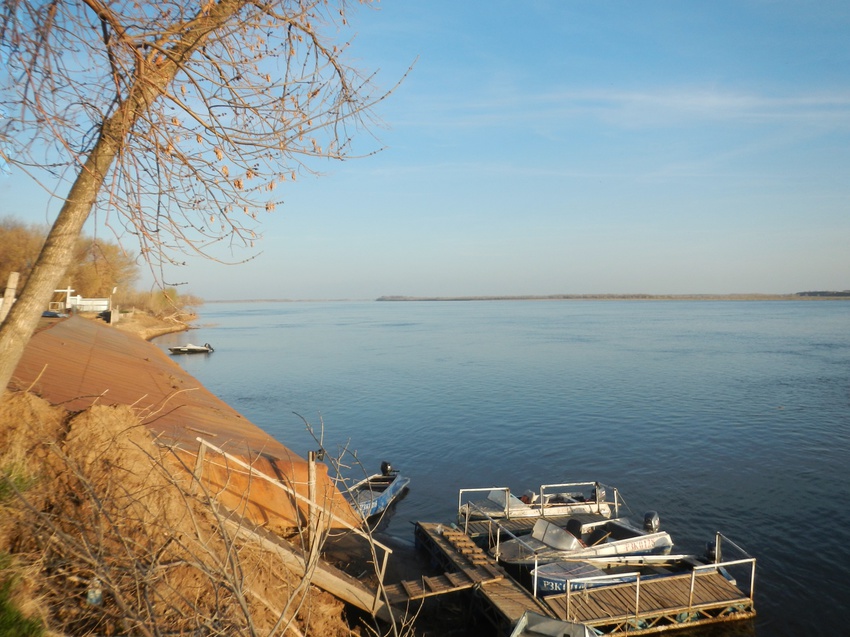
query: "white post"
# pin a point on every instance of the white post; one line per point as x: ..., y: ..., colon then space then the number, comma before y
x: 198, y: 472
x: 67, y: 292
x: 9, y: 295
x: 311, y: 492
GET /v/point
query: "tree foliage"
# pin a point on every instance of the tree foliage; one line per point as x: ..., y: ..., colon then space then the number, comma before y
x: 98, y: 266
x: 21, y: 244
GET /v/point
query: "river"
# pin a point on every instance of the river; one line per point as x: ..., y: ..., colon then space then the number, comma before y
x: 729, y: 416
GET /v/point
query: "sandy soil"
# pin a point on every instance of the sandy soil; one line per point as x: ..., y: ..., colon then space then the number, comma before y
x: 149, y: 327
x: 105, y: 535
x: 105, y: 532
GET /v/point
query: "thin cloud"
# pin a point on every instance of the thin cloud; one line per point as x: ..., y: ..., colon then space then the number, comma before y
x: 664, y: 108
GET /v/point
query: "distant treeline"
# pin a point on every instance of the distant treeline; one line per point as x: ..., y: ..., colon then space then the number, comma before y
x: 845, y: 293
x: 628, y: 297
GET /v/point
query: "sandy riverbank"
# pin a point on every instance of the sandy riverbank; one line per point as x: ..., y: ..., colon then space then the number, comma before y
x: 148, y: 327
x: 98, y: 447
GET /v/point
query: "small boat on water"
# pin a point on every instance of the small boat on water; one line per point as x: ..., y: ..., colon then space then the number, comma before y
x: 373, y: 495
x: 188, y: 348
x: 582, y: 574
x: 550, y: 501
x: 549, y: 542
x: 533, y: 624
x: 553, y: 577
x: 651, y: 593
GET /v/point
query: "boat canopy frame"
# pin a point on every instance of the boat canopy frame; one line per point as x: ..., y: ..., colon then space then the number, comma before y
x: 543, y: 498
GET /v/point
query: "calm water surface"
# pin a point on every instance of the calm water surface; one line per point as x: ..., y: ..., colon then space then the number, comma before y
x: 729, y: 416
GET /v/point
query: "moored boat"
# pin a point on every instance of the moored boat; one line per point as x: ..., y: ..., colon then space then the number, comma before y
x: 581, y: 574
x: 533, y: 624
x: 554, y: 577
x: 373, y: 495
x: 188, y: 348
x: 551, y: 500
x: 549, y: 542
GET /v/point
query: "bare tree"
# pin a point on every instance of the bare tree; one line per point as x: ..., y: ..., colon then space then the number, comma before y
x: 172, y: 120
x: 21, y: 244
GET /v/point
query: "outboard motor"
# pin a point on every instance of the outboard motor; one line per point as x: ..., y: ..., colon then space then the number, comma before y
x: 598, y: 494
x: 651, y: 522
x: 712, y: 553
x: 386, y: 468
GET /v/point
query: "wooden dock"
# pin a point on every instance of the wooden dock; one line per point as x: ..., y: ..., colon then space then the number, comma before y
x: 703, y: 596
x: 501, y: 599
x: 655, y: 605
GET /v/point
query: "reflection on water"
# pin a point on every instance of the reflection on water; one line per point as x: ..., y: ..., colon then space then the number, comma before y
x: 730, y: 416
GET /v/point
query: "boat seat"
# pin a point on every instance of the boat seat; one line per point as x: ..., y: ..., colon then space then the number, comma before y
x: 599, y: 535
x: 553, y: 535
x: 621, y: 531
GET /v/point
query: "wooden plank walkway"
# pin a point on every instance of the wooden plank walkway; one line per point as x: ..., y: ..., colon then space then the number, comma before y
x: 655, y: 605
x: 325, y: 576
x: 408, y: 590
x: 503, y: 600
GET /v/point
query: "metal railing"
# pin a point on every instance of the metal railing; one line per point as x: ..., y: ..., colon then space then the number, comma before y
x: 597, y: 487
x: 544, y: 497
x: 581, y: 584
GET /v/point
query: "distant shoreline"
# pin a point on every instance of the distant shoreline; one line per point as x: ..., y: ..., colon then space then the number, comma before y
x: 797, y: 296
x: 802, y: 296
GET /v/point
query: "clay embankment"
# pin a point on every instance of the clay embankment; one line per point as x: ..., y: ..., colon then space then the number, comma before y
x: 77, y: 363
x: 103, y: 527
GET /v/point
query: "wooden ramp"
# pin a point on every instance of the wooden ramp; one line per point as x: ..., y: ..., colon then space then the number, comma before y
x: 410, y: 590
x: 655, y: 605
x: 502, y: 600
x: 325, y: 576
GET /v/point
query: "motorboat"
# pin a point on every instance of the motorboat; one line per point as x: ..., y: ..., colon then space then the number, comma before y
x: 584, y: 573
x: 188, y: 348
x: 533, y: 624
x: 580, y: 574
x: 374, y: 494
x: 549, y: 542
x: 551, y: 500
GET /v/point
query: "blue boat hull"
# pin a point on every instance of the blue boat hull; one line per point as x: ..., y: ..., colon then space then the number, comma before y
x: 372, y: 496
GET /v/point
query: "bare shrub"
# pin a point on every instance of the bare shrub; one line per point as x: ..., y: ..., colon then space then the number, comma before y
x: 114, y: 541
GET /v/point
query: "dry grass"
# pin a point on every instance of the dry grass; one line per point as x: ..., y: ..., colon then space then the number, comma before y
x: 92, y: 505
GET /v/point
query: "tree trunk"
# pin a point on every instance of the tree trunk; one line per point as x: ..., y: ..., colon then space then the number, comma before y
x: 152, y: 77
x: 54, y: 259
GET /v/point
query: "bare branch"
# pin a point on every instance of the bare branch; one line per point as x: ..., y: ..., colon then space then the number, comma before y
x: 220, y: 105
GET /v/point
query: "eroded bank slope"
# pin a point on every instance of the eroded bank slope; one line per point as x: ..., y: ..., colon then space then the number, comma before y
x: 103, y: 533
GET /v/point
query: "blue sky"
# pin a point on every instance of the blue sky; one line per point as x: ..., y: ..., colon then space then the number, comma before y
x: 661, y: 147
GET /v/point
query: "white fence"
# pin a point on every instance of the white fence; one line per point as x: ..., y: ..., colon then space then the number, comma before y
x: 80, y: 304
x: 75, y: 303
